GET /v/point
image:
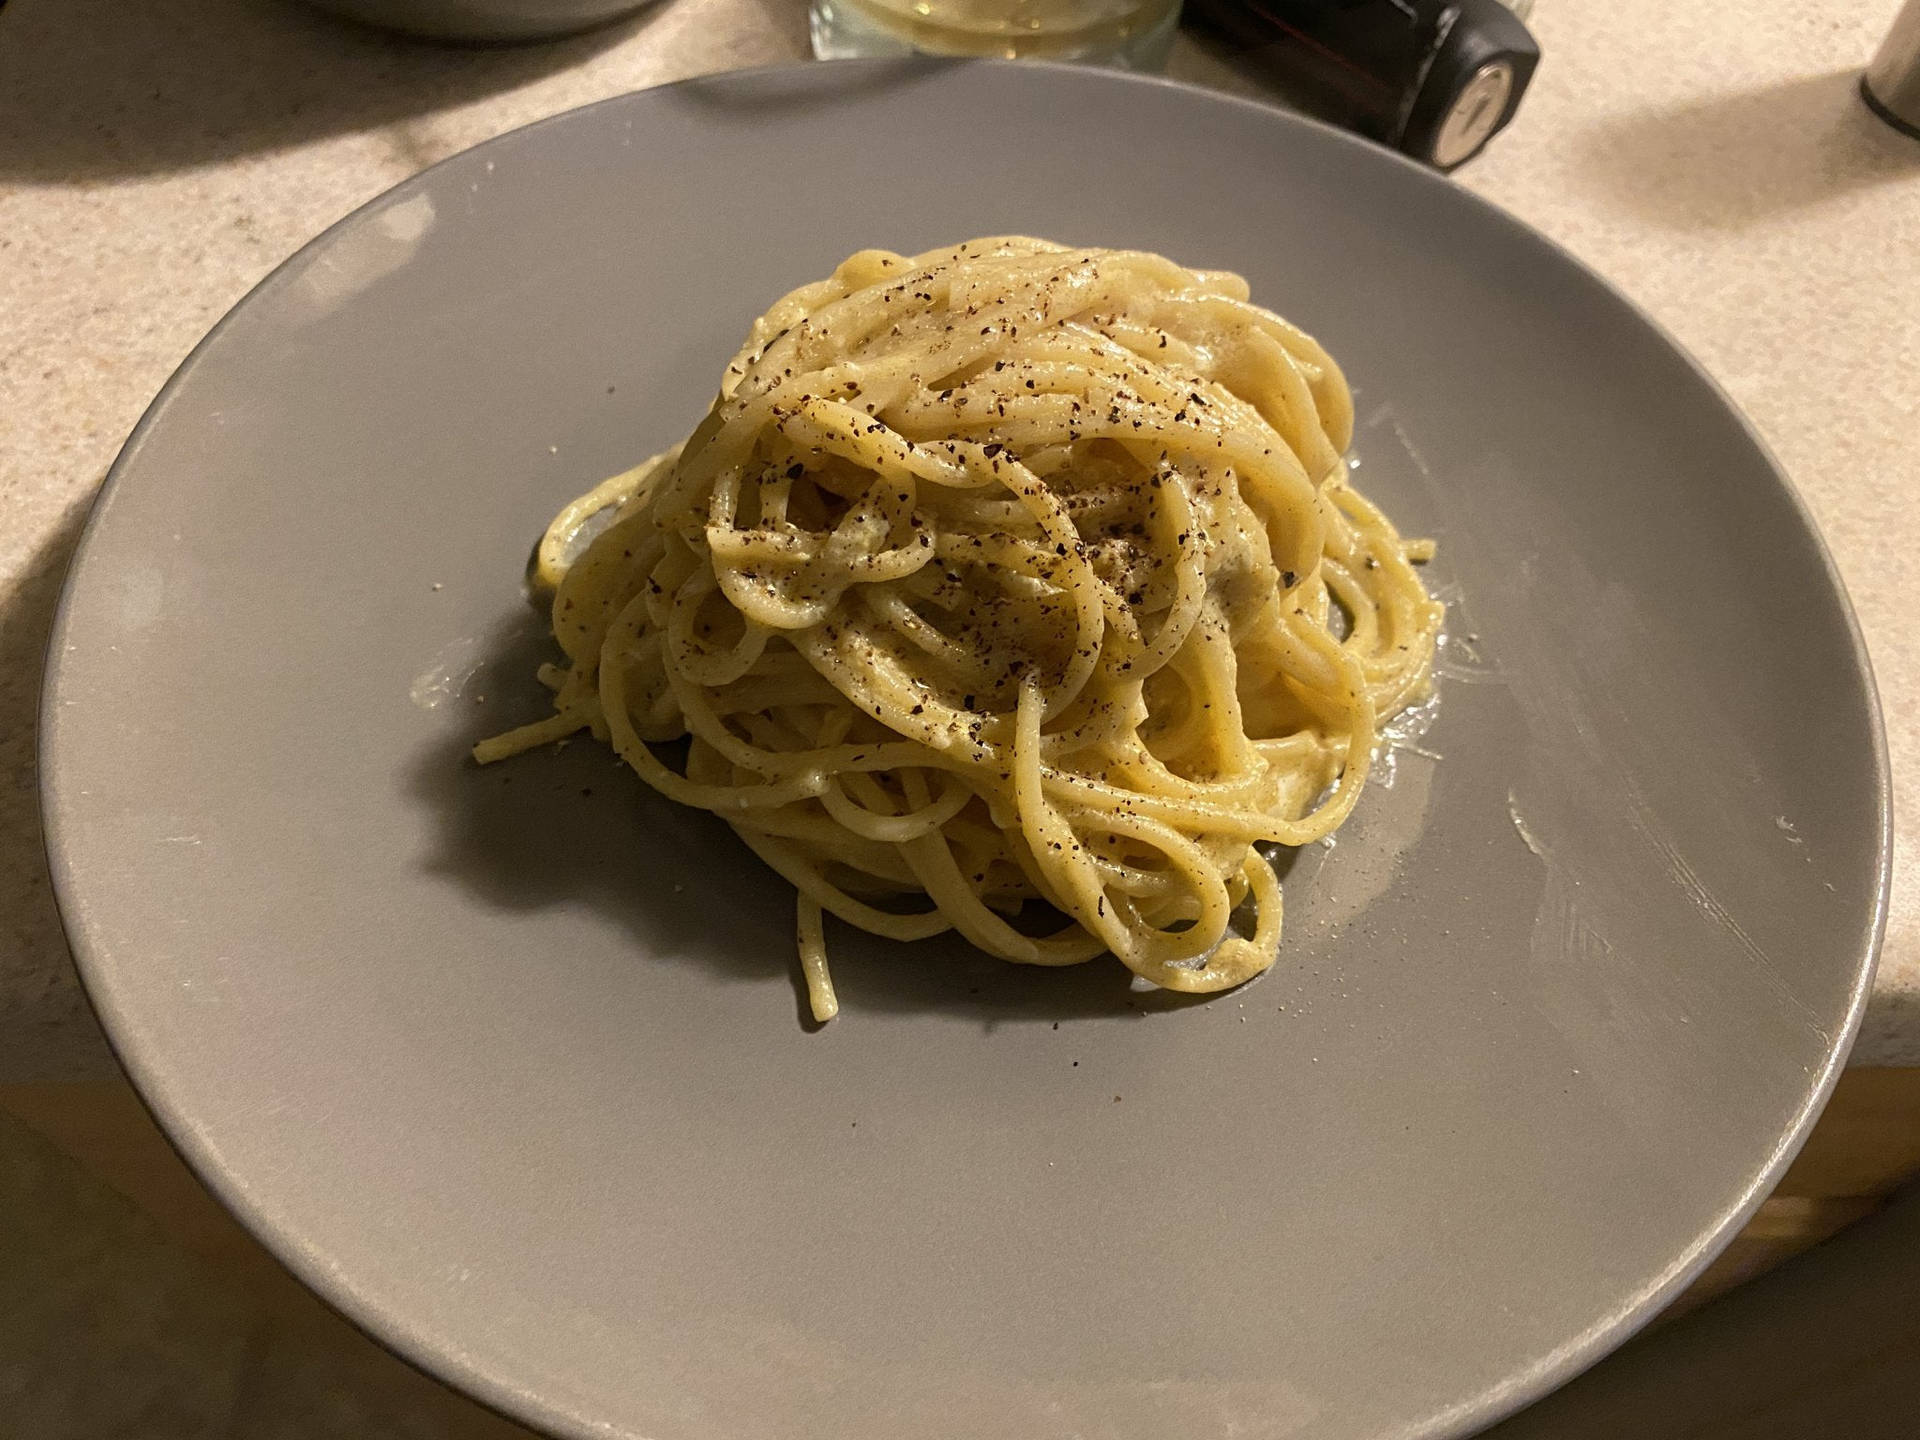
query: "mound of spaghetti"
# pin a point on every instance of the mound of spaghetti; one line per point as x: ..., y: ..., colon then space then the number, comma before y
x: 1001, y: 574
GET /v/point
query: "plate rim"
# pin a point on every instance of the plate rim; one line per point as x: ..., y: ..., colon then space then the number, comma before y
x: 413, y: 1342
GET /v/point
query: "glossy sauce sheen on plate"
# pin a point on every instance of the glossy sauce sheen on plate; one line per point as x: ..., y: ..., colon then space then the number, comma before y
x: 510, y: 1064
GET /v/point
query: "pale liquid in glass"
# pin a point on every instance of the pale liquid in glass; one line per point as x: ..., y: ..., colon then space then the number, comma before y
x: 1127, y: 32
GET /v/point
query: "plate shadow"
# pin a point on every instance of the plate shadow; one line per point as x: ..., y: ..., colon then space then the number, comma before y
x: 96, y: 90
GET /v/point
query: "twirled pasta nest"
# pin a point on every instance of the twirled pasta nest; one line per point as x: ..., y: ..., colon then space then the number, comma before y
x: 1005, y: 573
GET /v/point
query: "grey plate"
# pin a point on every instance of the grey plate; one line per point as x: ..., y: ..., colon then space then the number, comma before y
x: 508, y: 1064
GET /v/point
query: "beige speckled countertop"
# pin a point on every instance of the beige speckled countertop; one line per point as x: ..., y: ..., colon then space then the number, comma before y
x: 157, y: 160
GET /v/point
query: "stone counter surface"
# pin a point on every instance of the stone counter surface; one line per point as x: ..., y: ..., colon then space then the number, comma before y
x: 157, y: 160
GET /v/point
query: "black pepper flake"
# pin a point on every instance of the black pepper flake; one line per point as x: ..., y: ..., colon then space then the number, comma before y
x: 1287, y: 577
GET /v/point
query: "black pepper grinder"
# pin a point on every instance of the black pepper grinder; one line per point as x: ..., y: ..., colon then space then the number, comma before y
x: 1434, y: 78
